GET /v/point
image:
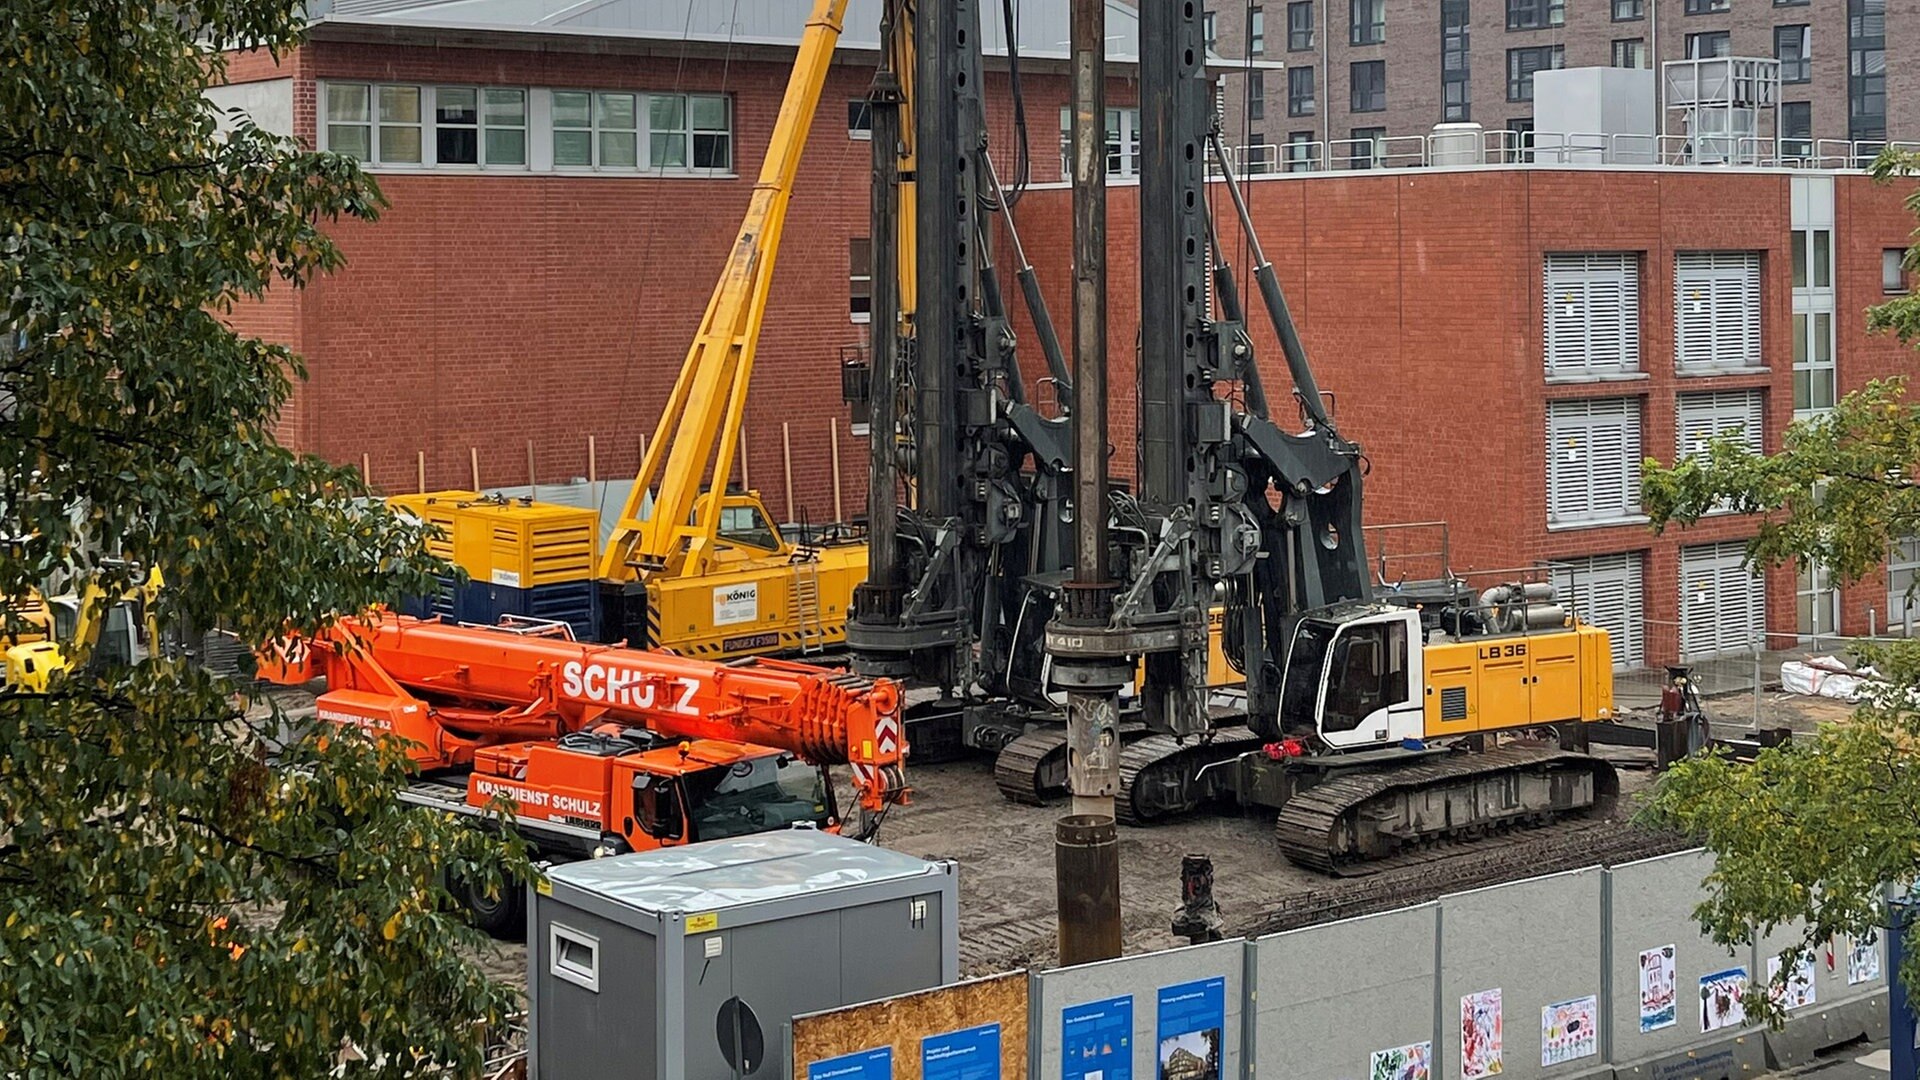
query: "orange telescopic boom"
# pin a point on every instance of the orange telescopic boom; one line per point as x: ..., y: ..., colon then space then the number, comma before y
x: 453, y: 691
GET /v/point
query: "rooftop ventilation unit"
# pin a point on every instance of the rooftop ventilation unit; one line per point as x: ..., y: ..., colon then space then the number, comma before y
x: 1726, y: 106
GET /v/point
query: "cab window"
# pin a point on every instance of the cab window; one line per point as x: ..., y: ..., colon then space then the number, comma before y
x: 1368, y: 673
x: 757, y: 795
x: 746, y: 525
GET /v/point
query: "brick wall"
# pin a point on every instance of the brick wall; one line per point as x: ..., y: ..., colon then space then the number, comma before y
x: 484, y: 313
x: 1418, y: 296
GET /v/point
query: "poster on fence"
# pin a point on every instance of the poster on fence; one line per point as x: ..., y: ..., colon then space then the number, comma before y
x: 969, y: 1054
x: 1863, y: 959
x: 1569, y: 1030
x: 1798, y: 993
x: 1720, y: 1004
x: 1190, y: 1018
x: 1659, y: 990
x: 1480, y: 1034
x: 875, y: 1064
x: 1095, y: 1040
x: 1411, y: 1062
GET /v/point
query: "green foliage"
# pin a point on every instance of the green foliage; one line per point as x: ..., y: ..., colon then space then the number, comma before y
x: 1840, y: 493
x: 171, y: 903
x: 1808, y: 835
x: 1901, y: 315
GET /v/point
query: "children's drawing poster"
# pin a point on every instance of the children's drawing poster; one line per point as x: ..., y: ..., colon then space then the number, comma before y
x: 1569, y: 1030
x: 1659, y: 990
x: 1480, y: 1034
x: 1863, y: 959
x: 1411, y: 1062
x: 1720, y: 1004
x: 1798, y: 993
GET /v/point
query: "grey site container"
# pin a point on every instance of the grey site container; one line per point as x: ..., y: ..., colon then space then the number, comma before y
x: 660, y: 965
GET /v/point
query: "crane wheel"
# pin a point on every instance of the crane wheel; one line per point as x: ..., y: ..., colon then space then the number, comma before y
x: 503, y: 916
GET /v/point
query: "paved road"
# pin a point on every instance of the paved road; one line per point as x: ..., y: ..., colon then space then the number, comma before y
x: 1852, y: 1063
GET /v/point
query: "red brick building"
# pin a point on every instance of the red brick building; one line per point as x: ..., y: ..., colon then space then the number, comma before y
x: 1506, y: 342
x: 1428, y: 299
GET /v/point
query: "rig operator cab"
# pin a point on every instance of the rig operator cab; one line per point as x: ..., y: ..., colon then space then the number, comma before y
x: 1365, y: 675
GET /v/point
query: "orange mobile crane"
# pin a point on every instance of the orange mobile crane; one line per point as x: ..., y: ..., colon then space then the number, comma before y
x: 603, y: 749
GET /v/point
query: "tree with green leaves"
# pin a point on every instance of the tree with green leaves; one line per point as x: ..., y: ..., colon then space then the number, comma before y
x: 186, y: 890
x: 1809, y: 835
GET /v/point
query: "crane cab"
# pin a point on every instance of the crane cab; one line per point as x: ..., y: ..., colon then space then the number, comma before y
x: 1366, y: 675
x: 646, y: 791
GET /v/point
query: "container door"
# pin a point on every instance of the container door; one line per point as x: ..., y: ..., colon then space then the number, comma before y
x: 709, y: 986
x: 789, y: 966
x: 899, y: 947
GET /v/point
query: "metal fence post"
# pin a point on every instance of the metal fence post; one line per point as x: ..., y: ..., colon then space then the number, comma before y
x: 1901, y: 1030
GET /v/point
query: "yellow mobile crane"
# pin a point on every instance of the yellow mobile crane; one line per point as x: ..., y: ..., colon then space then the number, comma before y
x: 708, y: 573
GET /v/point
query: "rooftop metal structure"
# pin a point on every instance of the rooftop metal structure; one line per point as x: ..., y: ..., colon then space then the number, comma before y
x: 1042, y: 27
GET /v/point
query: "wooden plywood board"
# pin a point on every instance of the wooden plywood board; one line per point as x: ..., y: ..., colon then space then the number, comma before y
x: 901, y: 1023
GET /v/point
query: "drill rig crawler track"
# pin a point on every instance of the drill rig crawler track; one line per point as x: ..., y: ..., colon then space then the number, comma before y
x: 1361, y: 813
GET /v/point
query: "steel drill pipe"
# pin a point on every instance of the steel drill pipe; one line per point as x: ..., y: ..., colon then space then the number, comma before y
x: 1086, y: 866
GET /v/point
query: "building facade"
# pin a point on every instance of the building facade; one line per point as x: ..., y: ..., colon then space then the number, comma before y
x: 1507, y: 342
x: 1390, y: 69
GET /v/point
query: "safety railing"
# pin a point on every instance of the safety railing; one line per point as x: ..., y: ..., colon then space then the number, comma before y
x: 1507, y: 147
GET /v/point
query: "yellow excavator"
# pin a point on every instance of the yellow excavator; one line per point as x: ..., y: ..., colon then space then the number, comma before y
x: 707, y: 573
x: 53, y: 635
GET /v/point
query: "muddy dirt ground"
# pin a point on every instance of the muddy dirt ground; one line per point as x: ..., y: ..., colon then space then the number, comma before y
x: 1005, y: 852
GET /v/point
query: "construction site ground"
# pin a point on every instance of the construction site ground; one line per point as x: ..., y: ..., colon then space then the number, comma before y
x: 1005, y: 853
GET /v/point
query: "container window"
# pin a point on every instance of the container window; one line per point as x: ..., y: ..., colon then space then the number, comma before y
x: 574, y: 956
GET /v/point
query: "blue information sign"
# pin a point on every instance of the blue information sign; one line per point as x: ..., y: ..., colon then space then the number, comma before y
x: 1191, y: 1019
x: 875, y: 1064
x: 969, y: 1054
x: 1096, y: 1040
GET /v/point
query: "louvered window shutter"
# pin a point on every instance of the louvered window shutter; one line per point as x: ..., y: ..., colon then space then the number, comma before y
x: 1591, y: 304
x: 1716, y: 310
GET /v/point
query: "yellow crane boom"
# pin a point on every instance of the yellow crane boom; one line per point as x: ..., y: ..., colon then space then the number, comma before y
x: 698, y: 431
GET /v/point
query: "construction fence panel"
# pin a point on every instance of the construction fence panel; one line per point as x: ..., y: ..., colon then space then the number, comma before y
x: 1831, y: 996
x: 1521, y: 979
x: 1672, y: 987
x: 1173, y: 1015
x: 1332, y: 1002
x: 973, y: 1030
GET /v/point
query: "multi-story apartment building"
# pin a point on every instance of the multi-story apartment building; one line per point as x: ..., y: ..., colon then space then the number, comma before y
x: 1379, y: 69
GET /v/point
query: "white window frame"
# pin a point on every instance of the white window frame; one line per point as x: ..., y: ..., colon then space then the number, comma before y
x: 1609, y: 591
x: 537, y: 103
x: 1578, y: 429
x: 1813, y: 346
x: 861, y: 107
x: 1716, y: 312
x: 596, y: 131
x: 480, y: 127
x: 560, y: 967
x: 1813, y: 587
x: 866, y: 316
x: 1586, y: 335
x: 1903, y: 566
x: 1123, y: 133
